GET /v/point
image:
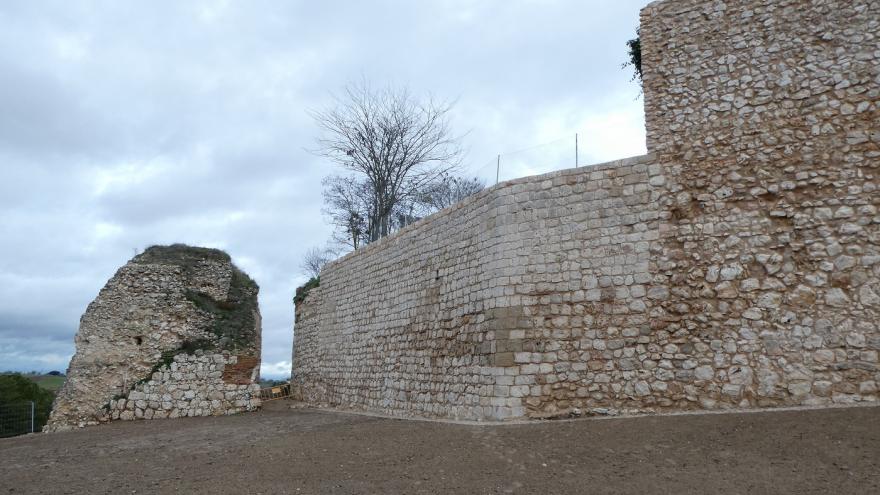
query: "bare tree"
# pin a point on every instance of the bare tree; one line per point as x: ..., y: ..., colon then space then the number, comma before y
x: 347, y: 203
x: 314, y: 260
x: 394, y: 142
x: 449, y: 190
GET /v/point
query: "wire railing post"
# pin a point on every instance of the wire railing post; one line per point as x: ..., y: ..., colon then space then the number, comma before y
x: 516, y: 164
x: 32, y: 416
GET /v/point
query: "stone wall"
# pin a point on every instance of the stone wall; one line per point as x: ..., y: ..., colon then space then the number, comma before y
x: 196, y: 384
x: 445, y: 318
x: 175, y: 332
x: 766, y: 117
x: 737, y: 265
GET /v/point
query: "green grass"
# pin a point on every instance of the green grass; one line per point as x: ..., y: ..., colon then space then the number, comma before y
x: 48, y: 382
x: 233, y: 323
x: 182, y: 255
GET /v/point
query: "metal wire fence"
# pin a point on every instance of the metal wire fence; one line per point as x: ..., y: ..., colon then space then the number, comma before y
x: 553, y: 155
x: 16, y: 419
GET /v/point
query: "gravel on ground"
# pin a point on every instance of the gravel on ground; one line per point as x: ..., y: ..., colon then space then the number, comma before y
x: 289, y: 450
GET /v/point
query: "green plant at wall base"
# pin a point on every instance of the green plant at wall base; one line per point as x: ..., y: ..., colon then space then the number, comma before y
x: 303, y: 290
x: 164, y: 361
x: 186, y: 347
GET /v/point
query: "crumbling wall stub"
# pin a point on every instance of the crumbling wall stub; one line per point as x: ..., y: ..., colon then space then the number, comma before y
x: 175, y: 332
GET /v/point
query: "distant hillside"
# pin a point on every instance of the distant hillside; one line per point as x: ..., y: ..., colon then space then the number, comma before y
x: 48, y: 382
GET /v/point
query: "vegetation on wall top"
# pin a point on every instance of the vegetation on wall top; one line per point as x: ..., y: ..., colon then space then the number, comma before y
x: 303, y: 290
x: 634, y: 51
x: 180, y: 254
x: 233, y: 319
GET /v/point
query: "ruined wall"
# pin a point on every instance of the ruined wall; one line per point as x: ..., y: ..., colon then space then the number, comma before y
x: 175, y: 332
x: 198, y: 384
x: 737, y: 265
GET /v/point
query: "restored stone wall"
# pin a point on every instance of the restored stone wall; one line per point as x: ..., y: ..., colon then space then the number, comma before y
x: 401, y: 325
x: 175, y: 332
x: 433, y: 321
x: 737, y: 265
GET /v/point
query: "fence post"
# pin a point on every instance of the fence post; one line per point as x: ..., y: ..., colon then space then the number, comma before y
x: 498, y: 169
x: 32, y: 416
x: 575, y: 150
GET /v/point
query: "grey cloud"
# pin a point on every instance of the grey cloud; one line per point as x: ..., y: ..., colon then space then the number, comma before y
x: 129, y: 124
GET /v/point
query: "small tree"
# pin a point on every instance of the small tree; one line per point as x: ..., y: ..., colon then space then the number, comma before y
x: 394, y: 143
x: 449, y: 190
x: 347, y: 202
x: 314, y: 260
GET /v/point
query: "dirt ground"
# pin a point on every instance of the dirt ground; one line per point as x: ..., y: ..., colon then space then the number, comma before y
x: 284, y: 450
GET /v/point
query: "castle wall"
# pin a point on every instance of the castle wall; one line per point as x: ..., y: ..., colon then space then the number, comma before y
x: 737, y: 265
x: 443, y: 318
x: 766, y: 117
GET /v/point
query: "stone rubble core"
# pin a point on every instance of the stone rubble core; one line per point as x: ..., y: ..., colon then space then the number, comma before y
x: 174, y: 333
x: 737, y: 265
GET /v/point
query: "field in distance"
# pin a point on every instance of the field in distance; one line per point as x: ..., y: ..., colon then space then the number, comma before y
x: 48, y: 382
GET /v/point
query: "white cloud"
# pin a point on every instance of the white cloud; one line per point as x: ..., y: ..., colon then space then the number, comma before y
x: 277, y: 370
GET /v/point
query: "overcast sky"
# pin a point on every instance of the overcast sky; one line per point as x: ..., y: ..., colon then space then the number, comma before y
x: 128, y: 124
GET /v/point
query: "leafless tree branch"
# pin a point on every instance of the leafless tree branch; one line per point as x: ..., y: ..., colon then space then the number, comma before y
x: 394, y: 144
x: 314, y: 261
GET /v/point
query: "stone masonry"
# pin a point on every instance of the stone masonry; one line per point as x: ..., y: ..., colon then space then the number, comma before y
x: 765, y: 117
x: 736, y: 265
x: 445, y: 318
x: 175, y: 332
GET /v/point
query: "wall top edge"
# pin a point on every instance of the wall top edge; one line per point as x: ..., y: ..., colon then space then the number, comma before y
x: 675, y: 7
x: 492, y: 190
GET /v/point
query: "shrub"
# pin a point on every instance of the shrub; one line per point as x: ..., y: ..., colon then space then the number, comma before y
x: 303, y: 290
x: 17, y: 390
x: 634, y: 51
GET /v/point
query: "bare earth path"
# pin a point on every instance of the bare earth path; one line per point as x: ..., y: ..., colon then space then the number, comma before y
x: 280, y: 450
